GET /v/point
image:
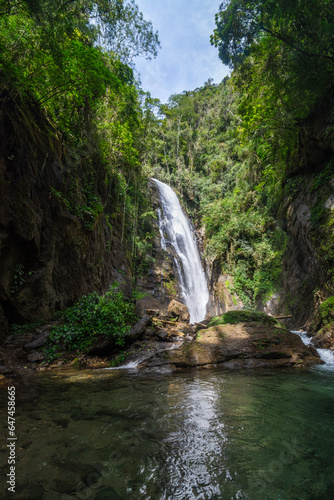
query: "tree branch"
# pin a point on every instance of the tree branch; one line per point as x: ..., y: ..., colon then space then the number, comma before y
x: 277, y: 35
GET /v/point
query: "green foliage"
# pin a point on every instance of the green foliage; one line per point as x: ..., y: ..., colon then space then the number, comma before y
x: 120, y: 358
x: 305, y: 27
x: 26, y: 328
x: 243, y: 316
x: 284, y: 58
x: 70, y: 62
x: 247, y: 243
x: 87, y: 210
x: 326, y: 311
x: 200, y: 149
x: 324, y: 177
x: 110, y: 315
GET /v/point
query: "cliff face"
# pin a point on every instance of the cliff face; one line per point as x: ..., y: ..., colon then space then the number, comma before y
x: 48, y: 256
x: 307, y: 214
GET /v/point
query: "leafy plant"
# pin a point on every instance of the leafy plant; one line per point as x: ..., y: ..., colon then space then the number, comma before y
x: 326, y: 311
x: 16, y: 329
x: 109, y: 315
x: 120, y: 358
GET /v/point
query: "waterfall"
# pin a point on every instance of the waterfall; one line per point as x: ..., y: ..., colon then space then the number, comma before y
x: 177, y: 233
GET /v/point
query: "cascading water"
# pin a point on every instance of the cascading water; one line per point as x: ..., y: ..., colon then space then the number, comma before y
x: 327, y: 355
x: 176, y: 231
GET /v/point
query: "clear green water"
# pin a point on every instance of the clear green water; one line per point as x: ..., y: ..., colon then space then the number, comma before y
x: 201, y: 435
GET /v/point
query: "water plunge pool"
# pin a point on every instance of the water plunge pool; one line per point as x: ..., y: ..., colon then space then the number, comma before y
x: 198, y: 435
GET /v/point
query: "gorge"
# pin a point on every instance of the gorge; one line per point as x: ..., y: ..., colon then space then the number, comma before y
x: 142, y: 245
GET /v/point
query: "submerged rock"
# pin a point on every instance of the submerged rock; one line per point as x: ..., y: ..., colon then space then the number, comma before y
x: 242, y: 340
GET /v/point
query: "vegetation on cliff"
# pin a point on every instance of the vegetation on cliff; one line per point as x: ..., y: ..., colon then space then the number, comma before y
x: 236, y: 151
x: 197, y: 147
x: 72, y: 60
x: 73, y: 125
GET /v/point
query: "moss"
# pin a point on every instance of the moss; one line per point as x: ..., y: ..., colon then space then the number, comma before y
x: 318, y: 212
x: 242, y: 317
x: 324, y: 177
x: 171, y: 287
x: 76, y: 363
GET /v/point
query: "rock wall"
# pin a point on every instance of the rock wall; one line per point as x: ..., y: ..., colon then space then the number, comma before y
x: 222, y: 299
x: 48, y: 257
x: 307, y: 215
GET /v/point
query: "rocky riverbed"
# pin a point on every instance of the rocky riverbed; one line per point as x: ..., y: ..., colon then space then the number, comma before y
x: 233, y: 341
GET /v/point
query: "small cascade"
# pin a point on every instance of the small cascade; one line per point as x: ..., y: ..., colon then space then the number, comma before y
x: 327, y: 355
x: 176, y: 233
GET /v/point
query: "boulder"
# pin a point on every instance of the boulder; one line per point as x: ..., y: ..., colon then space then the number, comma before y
x: 324, y: 338
x: 106, y: 345
x: 39, y: 341
x: 35, y: 356
x: 178, y: 310
x: 260, y: 342
x: 162, y: 334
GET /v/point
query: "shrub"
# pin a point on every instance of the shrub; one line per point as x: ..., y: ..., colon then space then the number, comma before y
x: 326, y: 311
x: 110, y: 315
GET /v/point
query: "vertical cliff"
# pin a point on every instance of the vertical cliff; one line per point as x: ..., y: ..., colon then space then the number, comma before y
x: 56, y: 243
x: 307, y: 215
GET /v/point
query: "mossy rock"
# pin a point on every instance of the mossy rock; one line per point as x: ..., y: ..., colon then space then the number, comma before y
x: 243, y: 316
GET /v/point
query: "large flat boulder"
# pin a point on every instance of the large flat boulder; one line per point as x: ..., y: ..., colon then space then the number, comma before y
x: 256, y: 341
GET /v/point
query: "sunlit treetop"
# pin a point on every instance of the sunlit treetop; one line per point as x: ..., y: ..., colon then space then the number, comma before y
x: 307, y: 27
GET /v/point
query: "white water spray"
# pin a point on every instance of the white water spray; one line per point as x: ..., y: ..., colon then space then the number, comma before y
x: 327, y: 355
x: 176, y: 232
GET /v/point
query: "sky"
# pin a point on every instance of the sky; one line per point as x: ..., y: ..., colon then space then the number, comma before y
x: 186, y: 59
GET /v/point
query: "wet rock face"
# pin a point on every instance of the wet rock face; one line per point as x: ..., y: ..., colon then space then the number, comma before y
x: 161, y: 282
x: 307, y: 216
x: 238, y: 346
x: 221, y: 297
x: 48, y: 257
x: 324, y: 338
x: 308, y: 263
x: 302, y: 269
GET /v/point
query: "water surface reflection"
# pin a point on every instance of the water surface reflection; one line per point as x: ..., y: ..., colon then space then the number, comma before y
x: 199, y: 435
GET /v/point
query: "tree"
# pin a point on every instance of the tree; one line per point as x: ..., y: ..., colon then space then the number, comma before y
x: 117, y: 25
x: 59, y: 51
x: 305, y: 26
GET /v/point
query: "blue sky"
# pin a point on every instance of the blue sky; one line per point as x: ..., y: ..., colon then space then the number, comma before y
x: 186, y: 60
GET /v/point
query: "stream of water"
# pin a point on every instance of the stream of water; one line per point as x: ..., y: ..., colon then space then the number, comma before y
x: 177, y: 233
